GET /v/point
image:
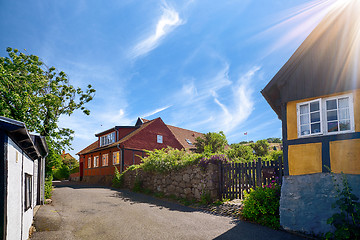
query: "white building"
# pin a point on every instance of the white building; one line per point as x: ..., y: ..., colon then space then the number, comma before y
x: 22, y: 177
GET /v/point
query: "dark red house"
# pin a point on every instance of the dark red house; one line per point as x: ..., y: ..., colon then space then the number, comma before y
x: 122, y: 146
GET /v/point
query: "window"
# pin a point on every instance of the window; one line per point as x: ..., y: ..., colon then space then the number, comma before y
x: 105, y: 160
x: 107, y: 139
x: 188, y: 141
x: 28, y: 191
x: 89, y: 162
x: 116, y: 158
x: 310, y: 118
x: 326, y: 116
x: 159, y: 139
x: 96, y: 161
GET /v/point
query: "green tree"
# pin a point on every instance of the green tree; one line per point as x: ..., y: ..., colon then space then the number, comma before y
x: 260, y: 148
x: 211, y: 142
x: 240, y: 152
x: 273, y: 140
x: 38, y: 95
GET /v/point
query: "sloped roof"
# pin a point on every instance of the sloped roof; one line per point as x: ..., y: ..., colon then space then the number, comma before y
x: 95, y: 146
x: 327, y: 62
x: 182, y: 135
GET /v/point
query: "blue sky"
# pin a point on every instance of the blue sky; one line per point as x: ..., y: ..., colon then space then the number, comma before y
x: 196, y: 64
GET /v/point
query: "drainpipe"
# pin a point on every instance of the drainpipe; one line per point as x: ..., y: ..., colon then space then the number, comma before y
x: 121, y: 156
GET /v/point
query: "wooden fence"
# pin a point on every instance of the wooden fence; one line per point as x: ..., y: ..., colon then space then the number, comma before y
x: 235, y: 178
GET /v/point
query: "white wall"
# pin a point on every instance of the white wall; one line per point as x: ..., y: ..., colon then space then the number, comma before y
x: 18, y: 165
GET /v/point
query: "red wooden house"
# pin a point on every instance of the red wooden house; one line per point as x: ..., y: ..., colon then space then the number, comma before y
x: 122, y: 146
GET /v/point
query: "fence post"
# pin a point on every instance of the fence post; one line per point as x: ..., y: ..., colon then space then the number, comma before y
x: 220, y: 180
x: 258, y: 172
x: 280, y: 169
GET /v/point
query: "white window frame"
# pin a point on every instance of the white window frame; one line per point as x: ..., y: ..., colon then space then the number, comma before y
x: 323, y: 116
x: 107, y: 139
x: 96, y: 161
x: 159, y: 139
x: 298, y: 118
x: 89, y: 162
x: 105, y: 160
x: 115, y: 154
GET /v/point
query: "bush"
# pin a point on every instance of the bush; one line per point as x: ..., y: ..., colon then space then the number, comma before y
x: 62, y: 173
x: 118, y: 179
x: 168, y: 159
x: 262, y: 205
x: 240, y: 153
x: 347, y: 222
x: 214, y: 159
x: 48, y: 187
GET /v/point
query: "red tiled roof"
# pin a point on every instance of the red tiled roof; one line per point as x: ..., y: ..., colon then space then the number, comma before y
x: 89, y: 148
x: 182, y: 135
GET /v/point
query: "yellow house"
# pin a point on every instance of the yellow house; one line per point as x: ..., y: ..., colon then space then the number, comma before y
x: 316, y: 94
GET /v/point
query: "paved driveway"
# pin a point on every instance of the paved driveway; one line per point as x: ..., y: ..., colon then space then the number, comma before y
x: 93, y: 212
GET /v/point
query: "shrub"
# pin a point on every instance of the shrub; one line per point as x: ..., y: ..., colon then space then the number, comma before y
x: 261, y: 205
x: 214, y: 159
x: 118, y: 179
x: 62, y: 173
x: 347, y: 222
x: 168, y: 159
x: 48, y: 187
x: 240, y: 153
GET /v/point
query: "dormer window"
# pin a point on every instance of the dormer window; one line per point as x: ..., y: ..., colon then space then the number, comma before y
x: 107, y: 139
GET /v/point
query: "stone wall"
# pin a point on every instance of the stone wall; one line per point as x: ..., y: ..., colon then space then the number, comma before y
x: 190, y: 182
x: 305, y: 203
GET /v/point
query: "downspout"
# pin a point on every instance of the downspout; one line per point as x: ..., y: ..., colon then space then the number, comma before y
x: 121, y: 156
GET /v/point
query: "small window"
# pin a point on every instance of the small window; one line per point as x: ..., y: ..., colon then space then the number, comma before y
x: 310, y: 118
x: 159, y: 139
x: 188, y: 141
x: 96, y: 161
x: 105, y: 160
x: 338, y: 115
x: 89, y: 162
x: 116, y: 158
x: 28, y: 191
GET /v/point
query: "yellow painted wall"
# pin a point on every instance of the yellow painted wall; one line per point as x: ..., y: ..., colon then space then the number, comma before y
x: 345, y: 156
x: 292, y: 116
x: 305, y: 158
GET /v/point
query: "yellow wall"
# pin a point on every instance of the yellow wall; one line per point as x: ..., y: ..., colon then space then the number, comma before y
x: 291, y: 114
x: 345, y: 156
x: 305, y: 158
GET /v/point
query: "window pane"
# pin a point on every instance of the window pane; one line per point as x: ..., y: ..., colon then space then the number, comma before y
x: 305, y: 130
x: 332, y: 115
x: 343, y: 102
x: 332, y: 126
x: 345, y: 125
x: 304, y: 119
x: 314, y: 106
x: 304, y: 109
x: 344, y: 114
x: 315, y: 117
x: 315, y: 128
x: 331, y: 104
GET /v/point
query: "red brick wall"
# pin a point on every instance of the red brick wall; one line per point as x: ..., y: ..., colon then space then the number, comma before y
x: 147, y: 138
x: 122, y: 132
x: 100, y: 170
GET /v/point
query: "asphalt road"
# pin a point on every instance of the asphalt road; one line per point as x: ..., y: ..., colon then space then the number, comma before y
x: 95, y: 212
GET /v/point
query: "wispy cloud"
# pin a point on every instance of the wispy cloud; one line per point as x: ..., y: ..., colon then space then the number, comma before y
x: 155, y: 111
x: 167, y: 22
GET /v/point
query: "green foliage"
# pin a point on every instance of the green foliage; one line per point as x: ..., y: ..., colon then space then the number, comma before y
x: 167, y: 159
x: 118, y: 179
x: 48, y: 187
x: 211, y: 142
x: 273, y: 140
x: 347, y: 222
x: 38, y: 95
x: 205, y: 198
x: 62, y: 173
x: 70, y: 161
x: 240, y: 153
x: 262, y: 206
x: 260, y: 147
x: 75, y: 170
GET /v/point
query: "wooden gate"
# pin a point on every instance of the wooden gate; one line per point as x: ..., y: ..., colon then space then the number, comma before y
x: 235, y: 178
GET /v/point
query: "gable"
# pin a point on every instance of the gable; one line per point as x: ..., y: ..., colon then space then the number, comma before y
x: 327, y: 62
